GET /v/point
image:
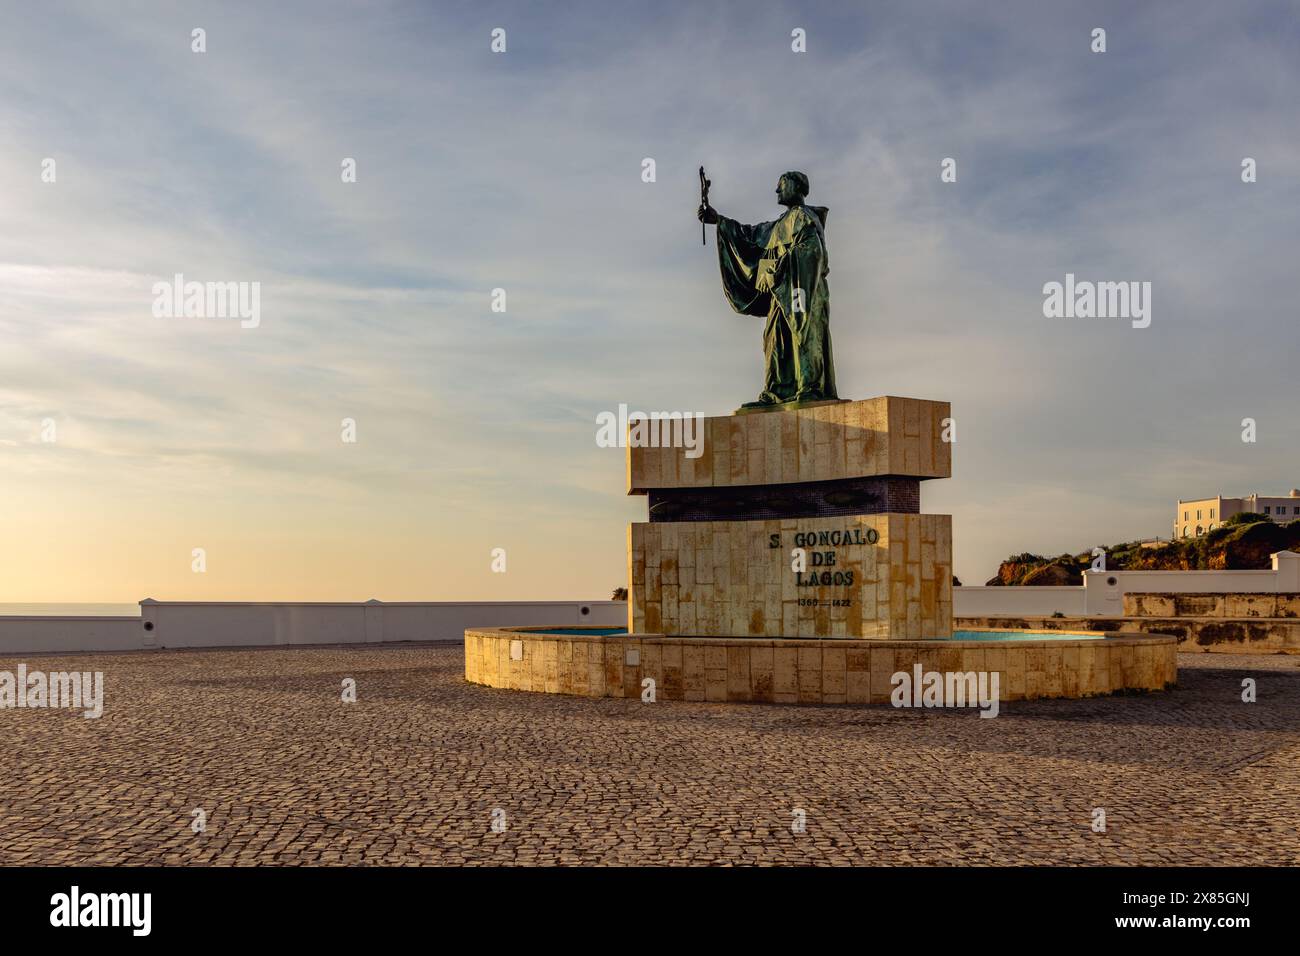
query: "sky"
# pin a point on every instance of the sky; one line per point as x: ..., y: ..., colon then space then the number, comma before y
x: 522, y: 171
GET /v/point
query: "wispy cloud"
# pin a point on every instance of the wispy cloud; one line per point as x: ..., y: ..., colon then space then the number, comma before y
x: 522, y: 171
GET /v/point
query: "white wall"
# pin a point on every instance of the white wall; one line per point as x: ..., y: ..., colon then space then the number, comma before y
x: 21, y: 634
x: 1016, y: 601
x: 1102, y: 592
x: 266, y: 624
x: 1107, y: 598
x: 244, y: 624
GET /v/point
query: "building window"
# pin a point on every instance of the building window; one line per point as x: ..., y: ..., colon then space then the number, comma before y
x: 1184, y: 518
x: 1211, y: 514
x: 1268, y: 510
x: 1198, y: 514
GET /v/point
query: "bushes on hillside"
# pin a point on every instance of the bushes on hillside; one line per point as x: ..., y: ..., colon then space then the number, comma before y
x: 1243, y: 542
x: 1246, y: 517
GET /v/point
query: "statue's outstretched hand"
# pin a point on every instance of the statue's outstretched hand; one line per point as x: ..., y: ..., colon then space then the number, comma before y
x: 707, y: 214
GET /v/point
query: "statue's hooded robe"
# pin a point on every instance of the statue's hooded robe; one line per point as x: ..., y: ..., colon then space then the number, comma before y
x: 764, y: 270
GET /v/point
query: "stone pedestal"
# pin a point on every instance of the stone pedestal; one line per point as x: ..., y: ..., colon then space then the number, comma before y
x: 796, y: 523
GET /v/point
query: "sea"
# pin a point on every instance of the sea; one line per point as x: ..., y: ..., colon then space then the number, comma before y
x: 69, y: 610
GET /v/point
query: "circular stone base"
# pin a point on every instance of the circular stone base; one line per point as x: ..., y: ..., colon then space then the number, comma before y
x: 830, y: 671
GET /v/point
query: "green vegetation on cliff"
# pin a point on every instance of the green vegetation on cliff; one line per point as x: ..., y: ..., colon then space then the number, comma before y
x: 1244, y: 542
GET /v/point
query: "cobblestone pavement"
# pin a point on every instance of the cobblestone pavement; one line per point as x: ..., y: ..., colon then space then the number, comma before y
x: 411, y: 773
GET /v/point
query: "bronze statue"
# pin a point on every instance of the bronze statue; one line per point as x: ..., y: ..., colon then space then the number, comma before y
x: 778, y: 270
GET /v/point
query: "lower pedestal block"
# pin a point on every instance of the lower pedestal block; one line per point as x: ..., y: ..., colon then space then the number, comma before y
x: 883, y: 576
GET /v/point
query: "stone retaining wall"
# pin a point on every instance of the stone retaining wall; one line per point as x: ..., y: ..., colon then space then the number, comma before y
x: 1221, y: 604
x: 805, y: 671
x: 1215, y: 635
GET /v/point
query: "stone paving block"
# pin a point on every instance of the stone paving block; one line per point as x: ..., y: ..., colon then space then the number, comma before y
x: 410, y: 773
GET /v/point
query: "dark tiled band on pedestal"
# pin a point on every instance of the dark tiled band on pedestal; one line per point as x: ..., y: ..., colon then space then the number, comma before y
x: 810, y: 499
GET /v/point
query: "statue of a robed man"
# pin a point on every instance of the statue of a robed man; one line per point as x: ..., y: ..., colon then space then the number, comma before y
x: 778, y: 270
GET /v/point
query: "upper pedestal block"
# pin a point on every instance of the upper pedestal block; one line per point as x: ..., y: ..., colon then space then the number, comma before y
x: 833, y: 442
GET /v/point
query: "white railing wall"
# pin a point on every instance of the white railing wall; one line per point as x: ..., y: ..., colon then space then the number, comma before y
x: 1102, y: 592
x: 1022, y: 602
x: 23, y: 634
x: 173, y: 624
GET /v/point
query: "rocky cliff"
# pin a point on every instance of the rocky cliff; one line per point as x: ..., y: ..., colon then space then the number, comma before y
x: 1237, y: 547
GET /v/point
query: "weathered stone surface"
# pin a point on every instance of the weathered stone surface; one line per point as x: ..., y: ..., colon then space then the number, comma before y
x: 823, y: 672
x: 891, y: 577
x: 878, y: 436
x: 1232, y: 605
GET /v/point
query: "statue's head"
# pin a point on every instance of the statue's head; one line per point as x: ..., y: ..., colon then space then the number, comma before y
x: 791, y: 188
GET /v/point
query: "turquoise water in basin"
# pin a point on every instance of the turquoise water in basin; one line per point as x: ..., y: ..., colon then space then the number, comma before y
x: 956, y: 635
x: 1023, y: 636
